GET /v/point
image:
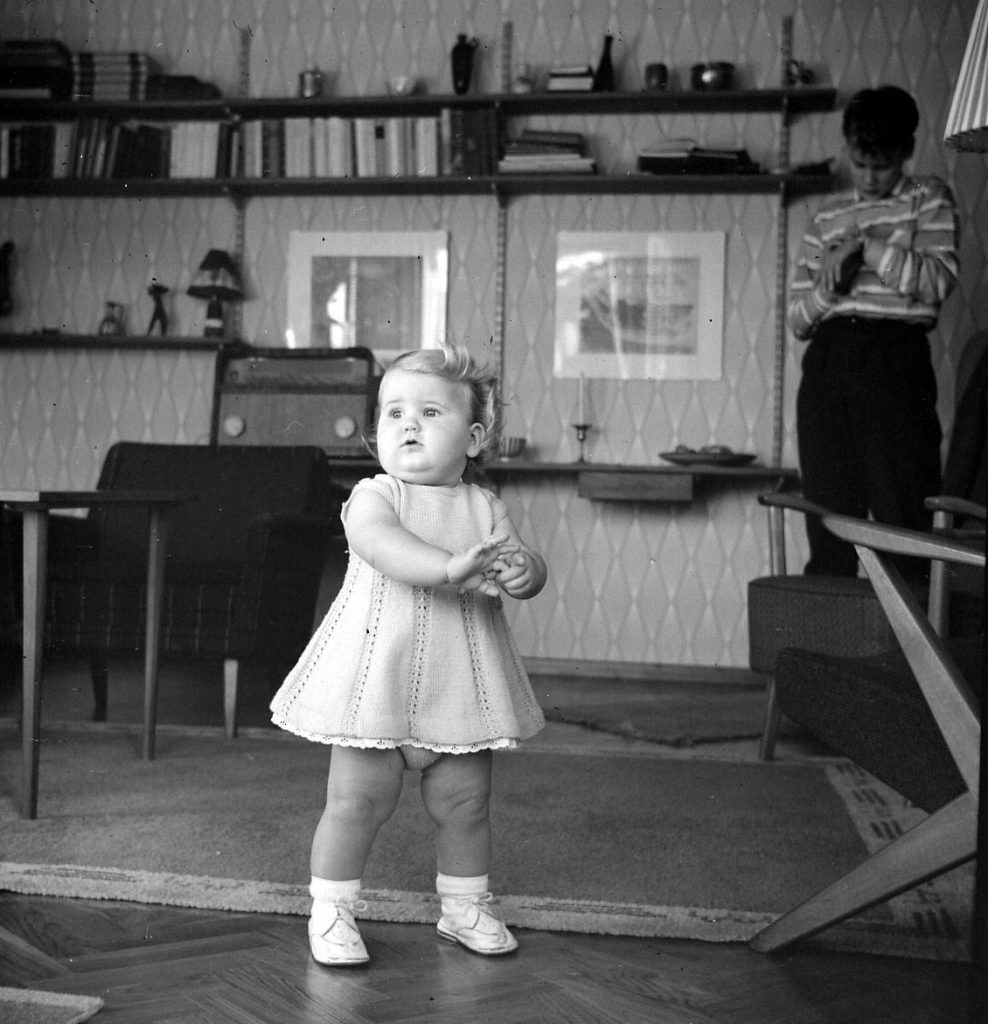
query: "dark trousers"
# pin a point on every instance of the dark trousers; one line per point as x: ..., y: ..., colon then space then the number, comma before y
x: 869, y: 436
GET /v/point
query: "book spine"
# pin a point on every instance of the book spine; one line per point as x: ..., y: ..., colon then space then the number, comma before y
x: 395, y: 132
x: 365, y: 147
x: 272, y: 148
x: 339, y: 142
x: 427, y: 147
x: 456, y: 143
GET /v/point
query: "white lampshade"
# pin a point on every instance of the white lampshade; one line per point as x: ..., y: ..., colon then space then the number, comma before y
x: 967, y: 122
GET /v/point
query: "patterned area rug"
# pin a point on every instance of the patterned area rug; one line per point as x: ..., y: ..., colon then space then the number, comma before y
x: 640, y: 844
x: 27, y: 1006
x: 677, y: 713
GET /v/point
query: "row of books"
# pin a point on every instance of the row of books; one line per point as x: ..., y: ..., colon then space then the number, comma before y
x: 456, y: 143
x: 683, y: 156
x: 544, y: 151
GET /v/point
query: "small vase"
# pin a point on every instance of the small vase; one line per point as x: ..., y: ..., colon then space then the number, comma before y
x: 461, y: 58
x: 603, y: 79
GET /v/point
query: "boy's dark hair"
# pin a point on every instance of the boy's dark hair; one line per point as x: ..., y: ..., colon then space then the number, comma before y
x: 881, y: 121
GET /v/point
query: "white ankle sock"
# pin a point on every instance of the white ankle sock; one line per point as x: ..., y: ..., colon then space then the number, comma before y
x: 461, y: 885
x: 327, y: 892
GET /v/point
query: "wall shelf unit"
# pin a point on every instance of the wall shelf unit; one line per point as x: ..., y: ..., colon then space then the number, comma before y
x: 502, y: 108
x: 785, y: 103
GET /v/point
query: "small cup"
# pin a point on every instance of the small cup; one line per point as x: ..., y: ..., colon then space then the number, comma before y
x: 656, y: 77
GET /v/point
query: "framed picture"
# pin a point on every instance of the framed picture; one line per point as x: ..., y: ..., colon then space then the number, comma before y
x: 381, y: 290
x: 640, y: 305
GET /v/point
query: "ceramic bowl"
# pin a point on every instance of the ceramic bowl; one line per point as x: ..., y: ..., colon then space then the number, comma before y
x: 715, y: 74
x: 510, y: 447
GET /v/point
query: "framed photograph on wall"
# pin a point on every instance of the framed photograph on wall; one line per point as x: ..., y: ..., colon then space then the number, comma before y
x: 382, y: 290
x: 646, y: 305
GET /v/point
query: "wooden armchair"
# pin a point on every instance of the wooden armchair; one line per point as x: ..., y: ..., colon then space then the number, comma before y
x: 244, y: 560
x: 914, y: 725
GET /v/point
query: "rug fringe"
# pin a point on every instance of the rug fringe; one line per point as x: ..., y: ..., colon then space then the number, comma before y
x: 896, y: 938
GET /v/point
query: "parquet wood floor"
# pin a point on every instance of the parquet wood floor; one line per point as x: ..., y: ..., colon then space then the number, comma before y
x: 163, y: 965
x: 160, y: 965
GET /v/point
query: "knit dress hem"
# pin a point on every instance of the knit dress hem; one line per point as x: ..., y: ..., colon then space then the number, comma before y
x: 365, y: 743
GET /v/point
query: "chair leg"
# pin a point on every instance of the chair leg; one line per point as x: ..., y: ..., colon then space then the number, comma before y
x: 773, y: 716
x: 99, y: 671
x: 938, y: 843
x: 230, y: 666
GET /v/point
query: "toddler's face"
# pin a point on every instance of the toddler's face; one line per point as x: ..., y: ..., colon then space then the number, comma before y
x: 424, y: 430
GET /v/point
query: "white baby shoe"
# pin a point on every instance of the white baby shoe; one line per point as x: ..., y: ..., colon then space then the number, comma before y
x: 468, y: 921
x: 335, y: 941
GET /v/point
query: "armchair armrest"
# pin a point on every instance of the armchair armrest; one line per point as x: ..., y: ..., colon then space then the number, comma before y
x: 900, y: 541
x: 796, y: 502
x: 950, y: 505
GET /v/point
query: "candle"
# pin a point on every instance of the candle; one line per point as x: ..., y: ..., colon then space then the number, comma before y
x: 581, y: 400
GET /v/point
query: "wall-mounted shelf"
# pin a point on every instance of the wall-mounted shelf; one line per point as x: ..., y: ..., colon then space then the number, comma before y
x: 501, y: 185
x: 744, y: 101
x: 132, y: 342
x: 781, y: 102
x: 615, y: 482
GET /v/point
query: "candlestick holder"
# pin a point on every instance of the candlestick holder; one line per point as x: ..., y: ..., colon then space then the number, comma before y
x: 582, y: 429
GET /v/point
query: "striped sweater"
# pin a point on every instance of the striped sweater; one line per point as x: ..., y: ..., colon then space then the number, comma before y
x: 918, y: 226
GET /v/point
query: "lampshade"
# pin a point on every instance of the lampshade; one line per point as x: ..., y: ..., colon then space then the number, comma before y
x: 217, y: 278
x: 967, y: 122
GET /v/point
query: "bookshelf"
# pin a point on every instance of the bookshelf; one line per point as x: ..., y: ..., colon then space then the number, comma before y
x: 222, y: 117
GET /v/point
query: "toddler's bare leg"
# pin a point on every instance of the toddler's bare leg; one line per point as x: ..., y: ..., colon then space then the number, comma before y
x: 361, y: 794
x: 456, y: 792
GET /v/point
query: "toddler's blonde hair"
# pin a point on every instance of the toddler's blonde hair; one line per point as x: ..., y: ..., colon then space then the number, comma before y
x: 454, y: 363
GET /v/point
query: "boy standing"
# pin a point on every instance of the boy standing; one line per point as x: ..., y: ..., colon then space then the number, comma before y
x: 875, y: 266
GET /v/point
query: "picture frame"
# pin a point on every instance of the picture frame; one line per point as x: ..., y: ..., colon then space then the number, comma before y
x: 640, y: 305
x: 381, y: 290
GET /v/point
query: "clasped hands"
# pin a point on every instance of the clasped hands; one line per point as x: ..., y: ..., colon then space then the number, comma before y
x: 493, y: 565
x: 841, y: 261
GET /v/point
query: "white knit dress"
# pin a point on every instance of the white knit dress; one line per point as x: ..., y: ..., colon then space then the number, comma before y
x: 394, y: 665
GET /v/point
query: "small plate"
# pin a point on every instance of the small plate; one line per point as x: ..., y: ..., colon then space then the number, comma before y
x: 707, y: 458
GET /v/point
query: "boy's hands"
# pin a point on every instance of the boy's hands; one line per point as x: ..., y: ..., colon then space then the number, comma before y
x: 840, y: 263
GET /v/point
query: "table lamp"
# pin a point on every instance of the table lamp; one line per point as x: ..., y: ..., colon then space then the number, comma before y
x: 217, y: 281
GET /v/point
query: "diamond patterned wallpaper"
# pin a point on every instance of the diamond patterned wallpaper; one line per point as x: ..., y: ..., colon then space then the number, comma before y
x: 630, y: 583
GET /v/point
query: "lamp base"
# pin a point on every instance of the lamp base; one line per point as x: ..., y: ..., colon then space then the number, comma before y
x: 214, y: 326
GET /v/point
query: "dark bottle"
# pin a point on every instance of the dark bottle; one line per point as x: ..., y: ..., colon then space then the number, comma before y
x: 461, y: 57
x: 603, y: 79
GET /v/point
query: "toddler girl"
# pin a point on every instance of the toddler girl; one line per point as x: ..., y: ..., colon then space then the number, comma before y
x: 413, y: 665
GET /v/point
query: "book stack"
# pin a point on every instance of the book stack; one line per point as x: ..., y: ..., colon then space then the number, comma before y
x: 35, y: 70
x: 683, y: 156
x: 112, y: 77
x: 538, y: 151
x: 571, y: 78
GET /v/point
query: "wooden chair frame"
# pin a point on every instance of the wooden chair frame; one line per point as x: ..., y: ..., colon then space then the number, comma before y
x: 949, y: 836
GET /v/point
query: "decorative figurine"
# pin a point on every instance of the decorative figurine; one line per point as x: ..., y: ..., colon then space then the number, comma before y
x: 112, y: 322
x: 461, y: 58
x: 159, y: 316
